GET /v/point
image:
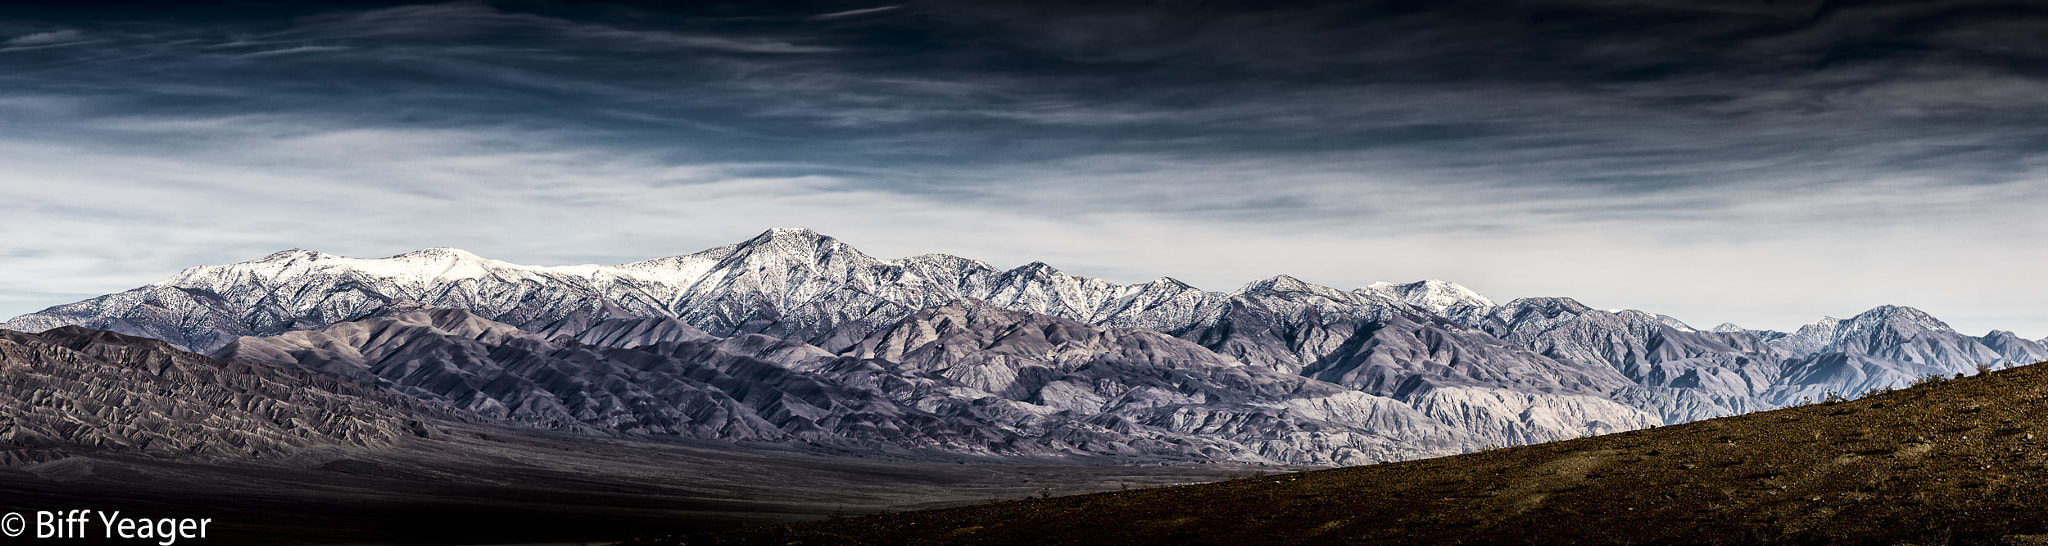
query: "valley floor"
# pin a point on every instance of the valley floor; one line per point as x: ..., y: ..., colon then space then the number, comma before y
x: 499, y: 486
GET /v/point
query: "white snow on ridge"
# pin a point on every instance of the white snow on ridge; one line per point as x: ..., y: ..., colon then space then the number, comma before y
x: 428, y: 269
x: 418, y: 268
x: 1629, y: 368
x: 1434, y: 295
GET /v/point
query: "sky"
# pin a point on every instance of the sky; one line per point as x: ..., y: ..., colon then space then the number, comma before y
x: 1760, y: 162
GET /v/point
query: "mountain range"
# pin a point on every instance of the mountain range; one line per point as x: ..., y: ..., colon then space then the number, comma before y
x: 796, y: 338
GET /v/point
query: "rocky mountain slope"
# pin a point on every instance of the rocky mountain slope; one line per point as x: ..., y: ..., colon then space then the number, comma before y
x: 1682, y: 374
x: 71, y: 389
x: 1883, y: 348
x: 1530, y: 370
x: 965, y: 378
x: 280, y: 455
x: 1957, y: 462
x: 790, y: 283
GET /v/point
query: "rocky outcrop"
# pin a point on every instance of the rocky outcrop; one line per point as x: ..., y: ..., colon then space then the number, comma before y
x: 72, y: 389
x: 1679, y: 374
x: 962, y: 378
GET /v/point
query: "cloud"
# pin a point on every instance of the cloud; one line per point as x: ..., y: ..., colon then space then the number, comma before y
x: 43, y: 38
x: 855, y: 12
x: 473, y: 21
x: 1709, y: 163
x: 293, y: 50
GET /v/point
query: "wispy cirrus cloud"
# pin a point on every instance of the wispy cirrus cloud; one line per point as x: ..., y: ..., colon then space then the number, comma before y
x: 43, y: 38
x: 1756, y: 165
x: 855, y: 12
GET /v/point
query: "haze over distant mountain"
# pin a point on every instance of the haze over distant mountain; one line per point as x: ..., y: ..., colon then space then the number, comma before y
x: 793, y: 336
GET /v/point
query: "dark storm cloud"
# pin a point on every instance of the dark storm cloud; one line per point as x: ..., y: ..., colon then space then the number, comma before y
x: 1603, y: 148
x: 1439, y: 82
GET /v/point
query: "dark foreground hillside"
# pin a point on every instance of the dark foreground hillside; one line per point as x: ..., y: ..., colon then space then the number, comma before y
x: 1957, y: 462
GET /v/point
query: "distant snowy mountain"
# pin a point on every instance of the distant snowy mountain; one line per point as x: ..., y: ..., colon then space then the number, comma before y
x: 1532, y: 369
x: 786, y: 282
x: 1441, y: 297
x: 206, y: 307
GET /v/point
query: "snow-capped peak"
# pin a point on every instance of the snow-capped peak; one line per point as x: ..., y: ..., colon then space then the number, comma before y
x: 1820, y: 331
x: 1278, y: 283
x: 1830, y: 333
x: 417, y: 268
x: 1434, y: 295
x: 794, y: 232
x: 800, y: 245
x: 792, y: 237
x: 1673, y: 322
x: 440, y: 253
x: 945, y: 260
x: 430, y: 264
x: 1548, y: 306
x: 1037, y: 269
x: 1170, y: 282
x: 294, y: 254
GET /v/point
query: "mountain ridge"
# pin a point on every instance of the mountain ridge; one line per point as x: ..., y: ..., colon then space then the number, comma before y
x: 964, y: 378
x: 1461, y: 359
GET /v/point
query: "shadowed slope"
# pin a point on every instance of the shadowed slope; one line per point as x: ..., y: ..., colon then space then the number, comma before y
x: 274, y: 455
x: 1130, y: 381
x: 73, y: 389
x: 1959, y: 461
x: 966, y: 378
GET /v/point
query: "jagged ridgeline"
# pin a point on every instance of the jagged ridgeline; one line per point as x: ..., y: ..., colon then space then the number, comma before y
x: 796, y: 337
